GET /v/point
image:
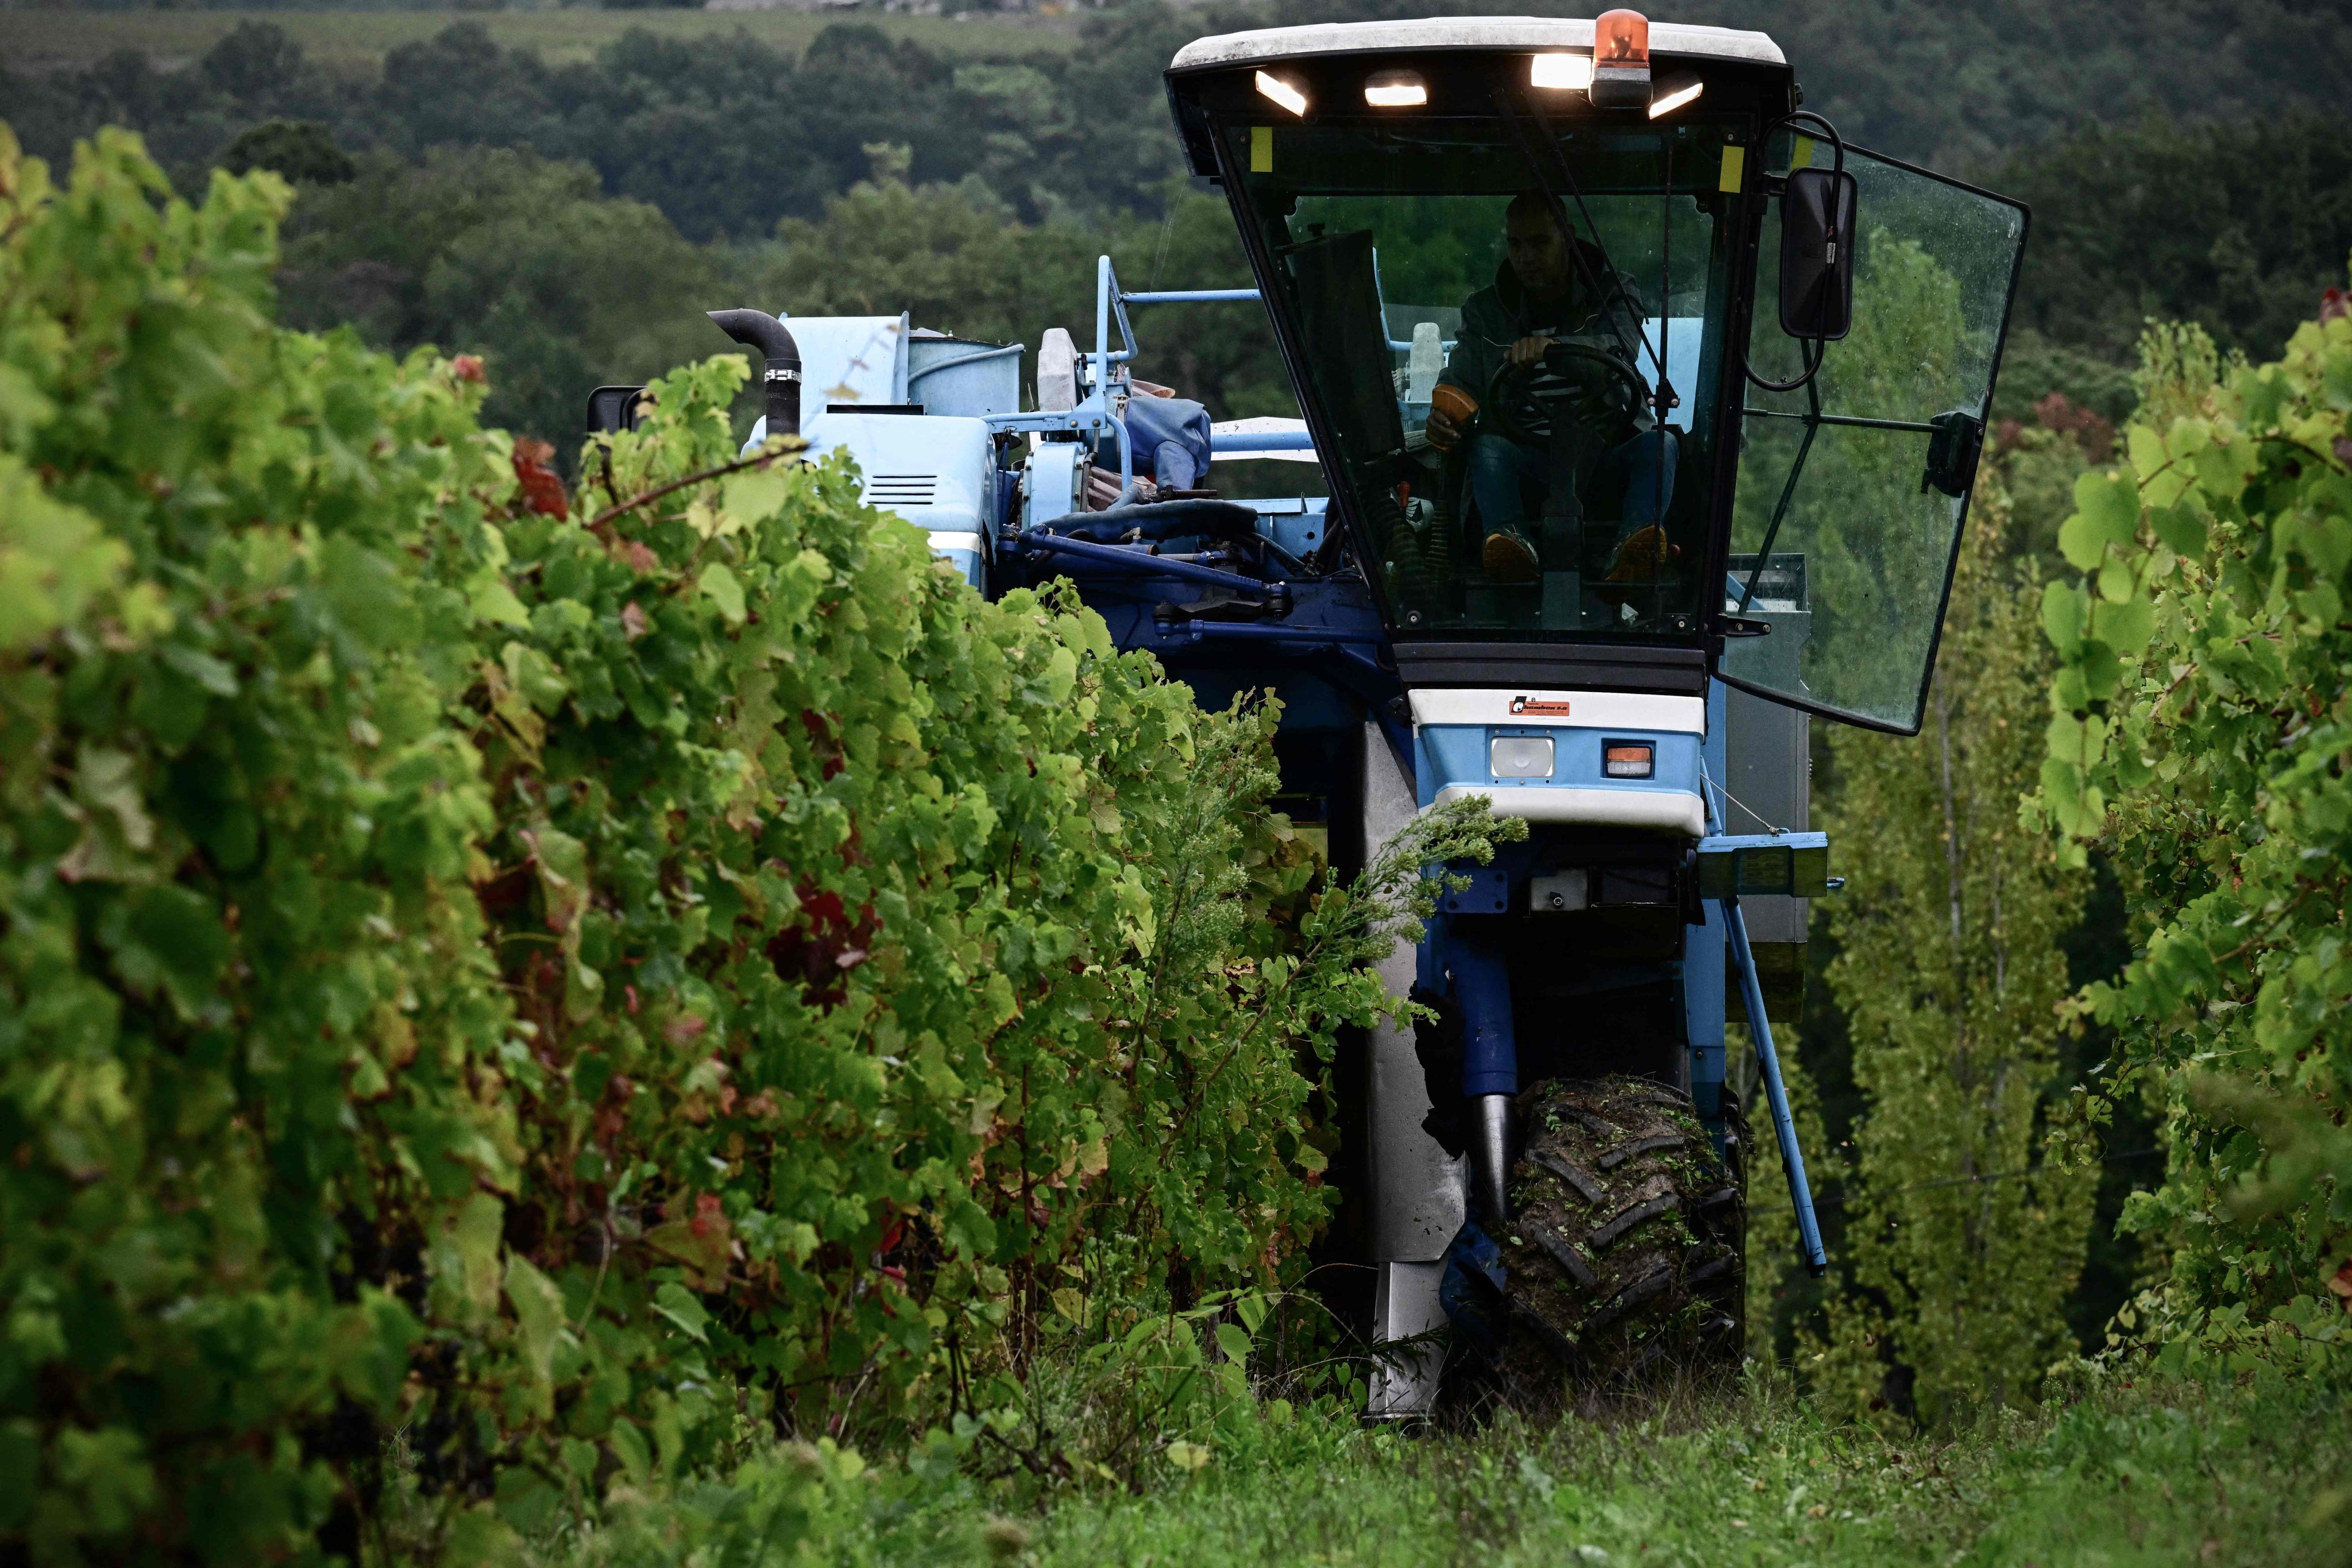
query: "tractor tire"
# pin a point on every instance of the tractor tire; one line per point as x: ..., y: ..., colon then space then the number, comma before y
x: 1626, y: 1257
x: 1732, y: 1298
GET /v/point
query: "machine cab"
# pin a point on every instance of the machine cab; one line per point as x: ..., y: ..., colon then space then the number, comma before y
x: 1630, y: 382
x: 1529, y: 277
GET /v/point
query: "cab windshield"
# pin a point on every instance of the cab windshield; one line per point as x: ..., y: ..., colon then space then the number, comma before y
x: 1524, y: 418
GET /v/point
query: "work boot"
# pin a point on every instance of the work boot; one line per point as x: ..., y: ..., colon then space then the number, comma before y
x: 1644, y: 557
x: 1511, y: 558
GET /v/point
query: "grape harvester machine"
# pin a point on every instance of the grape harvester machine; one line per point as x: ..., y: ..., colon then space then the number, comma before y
x: 1729, y: 481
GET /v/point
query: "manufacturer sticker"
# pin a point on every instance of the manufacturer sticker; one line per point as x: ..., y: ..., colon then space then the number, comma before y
x: 1539, y: 707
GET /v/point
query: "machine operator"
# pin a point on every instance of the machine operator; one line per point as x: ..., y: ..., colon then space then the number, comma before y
x: 1545, y: 293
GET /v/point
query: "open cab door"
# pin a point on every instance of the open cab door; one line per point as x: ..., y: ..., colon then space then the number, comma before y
x: 1853, y: 486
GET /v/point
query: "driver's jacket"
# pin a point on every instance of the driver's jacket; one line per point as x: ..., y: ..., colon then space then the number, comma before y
x: 1498, y: 316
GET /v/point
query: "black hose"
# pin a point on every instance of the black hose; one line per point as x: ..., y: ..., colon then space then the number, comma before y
x: 1136, y: 564
x: 1160, y: 519
x: 782, y: 377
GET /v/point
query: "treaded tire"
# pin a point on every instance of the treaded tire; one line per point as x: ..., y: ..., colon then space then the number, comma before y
x: 1732, y: 1300
x: 1626, y: 1250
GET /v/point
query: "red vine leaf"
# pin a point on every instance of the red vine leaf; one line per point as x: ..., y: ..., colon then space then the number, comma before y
x: 542, y: 487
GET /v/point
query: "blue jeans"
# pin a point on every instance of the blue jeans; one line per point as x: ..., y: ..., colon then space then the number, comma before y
x: 1503, y: 474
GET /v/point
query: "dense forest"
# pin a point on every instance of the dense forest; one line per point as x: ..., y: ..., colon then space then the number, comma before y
x: 571, y: 222
x: 727, y: 136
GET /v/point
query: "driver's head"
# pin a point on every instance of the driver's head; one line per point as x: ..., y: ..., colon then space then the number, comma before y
x: 1534, y: 246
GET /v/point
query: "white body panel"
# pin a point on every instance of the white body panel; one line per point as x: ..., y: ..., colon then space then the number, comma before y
x: 849, y: 359
x: 843, y: 359
x: 1586, y: 710
x: 1662, y: 810
x: 1405, y: 1303
x: 936, y: 472
x: 1530, y: 33
x: 1420, y: 1192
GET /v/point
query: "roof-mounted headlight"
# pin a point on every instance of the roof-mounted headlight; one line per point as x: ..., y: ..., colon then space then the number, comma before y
x: 1395, y: 90
x: 1275, y: 88
x: 1673, y: 91
x: 1560, y: 73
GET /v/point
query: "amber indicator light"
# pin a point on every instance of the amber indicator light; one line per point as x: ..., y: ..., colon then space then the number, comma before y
x: 1628, y: 759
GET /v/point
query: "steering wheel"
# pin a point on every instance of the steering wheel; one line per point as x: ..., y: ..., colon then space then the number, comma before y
x: 1516, y: 412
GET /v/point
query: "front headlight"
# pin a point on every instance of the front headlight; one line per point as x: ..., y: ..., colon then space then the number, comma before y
x: 1519, y: 756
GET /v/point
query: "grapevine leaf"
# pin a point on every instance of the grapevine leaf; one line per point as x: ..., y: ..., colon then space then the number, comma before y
x: 2064, y: 609
x: 539, y: 1314
x: 754, y: 495
x: 2126, y: 626
x: 216, y: 676
x: 678, y: 1304
x: 2181, y: 528
x: 2107, y: 513
x: 493, y: 602
x: 719, y: 584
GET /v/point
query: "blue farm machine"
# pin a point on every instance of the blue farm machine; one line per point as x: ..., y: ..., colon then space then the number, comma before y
x: 1647, y: 412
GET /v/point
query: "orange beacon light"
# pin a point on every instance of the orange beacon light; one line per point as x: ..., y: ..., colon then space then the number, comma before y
x: 1621, y: 60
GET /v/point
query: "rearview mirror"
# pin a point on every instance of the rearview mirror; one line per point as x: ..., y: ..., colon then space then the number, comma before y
x: 1817, y: 229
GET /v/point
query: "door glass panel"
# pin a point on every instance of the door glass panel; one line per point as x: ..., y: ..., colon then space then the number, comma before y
x: 1844, y: 532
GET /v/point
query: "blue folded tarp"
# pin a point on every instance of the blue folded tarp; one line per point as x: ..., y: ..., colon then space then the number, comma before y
x: 1169, y: 436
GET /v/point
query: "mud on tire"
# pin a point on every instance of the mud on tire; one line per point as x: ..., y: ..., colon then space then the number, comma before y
x: 1626, y: 1248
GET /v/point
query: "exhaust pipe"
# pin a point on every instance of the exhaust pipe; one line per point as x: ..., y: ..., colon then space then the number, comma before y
x: 759, y: 330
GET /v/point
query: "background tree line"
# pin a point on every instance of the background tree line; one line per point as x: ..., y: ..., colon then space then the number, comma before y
x: 572, y: 221
x: 727, y: 135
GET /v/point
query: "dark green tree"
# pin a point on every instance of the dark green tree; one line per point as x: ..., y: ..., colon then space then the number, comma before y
x: 505, y: 255
x: 302, y: 152
x: 2238, y: 226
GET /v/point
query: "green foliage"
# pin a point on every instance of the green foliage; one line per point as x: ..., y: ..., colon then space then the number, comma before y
x: 727, y: 134
x: 2039, y: 456
x: 582, y: 991
x: 2198, y: 735
x: 502, y: 254
x: 724, y: 133
x: 561, y: 289
x: 242, y: 991
x: 2238, y: 226
x: 293, y: 149
x: 479, y: 228
x: 2033, y: 366
x: 1965, y: 1227
x: 2144, y: 1473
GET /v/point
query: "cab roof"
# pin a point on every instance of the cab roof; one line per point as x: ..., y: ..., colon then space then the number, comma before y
x: 1532, y: 33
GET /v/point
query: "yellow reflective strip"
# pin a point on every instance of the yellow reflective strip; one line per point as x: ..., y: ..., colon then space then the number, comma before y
x: 1800, y: 156
x: 1734, y: 167
x: 1261, y: 149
